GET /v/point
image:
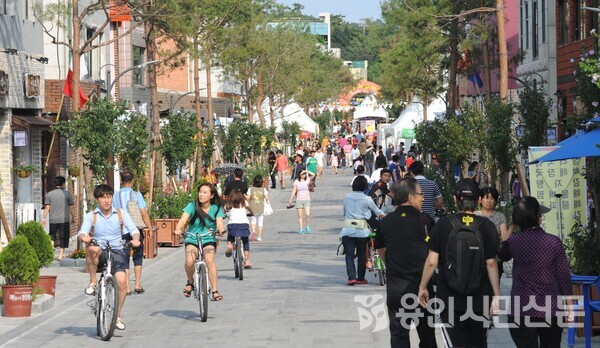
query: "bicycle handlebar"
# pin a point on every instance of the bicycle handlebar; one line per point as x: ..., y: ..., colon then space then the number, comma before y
x: 124, y: 243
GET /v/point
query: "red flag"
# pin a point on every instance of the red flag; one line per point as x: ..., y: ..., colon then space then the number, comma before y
x: 69, y: 87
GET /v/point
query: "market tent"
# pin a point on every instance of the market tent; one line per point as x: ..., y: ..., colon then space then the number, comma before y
x: 290, y: 113
x: 370, y: 108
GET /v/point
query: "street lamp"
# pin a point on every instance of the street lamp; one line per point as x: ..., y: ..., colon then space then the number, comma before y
x: 139, y: 66
x: 174, y: 104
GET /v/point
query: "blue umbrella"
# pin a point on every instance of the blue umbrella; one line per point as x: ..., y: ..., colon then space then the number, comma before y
x: 580, y: 145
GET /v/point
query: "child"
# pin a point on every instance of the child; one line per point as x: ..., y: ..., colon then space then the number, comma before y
x: 238, y: 225
x: 334, y: 162
x: 258, y: 197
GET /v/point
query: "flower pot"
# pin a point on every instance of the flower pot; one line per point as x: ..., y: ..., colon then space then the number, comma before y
x: 47, y: 283
x: 150, y: 243
x: 17, y: 300
x: 23, y: 174
x: 164, y: 234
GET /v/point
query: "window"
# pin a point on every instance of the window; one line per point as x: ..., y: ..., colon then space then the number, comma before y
x: 89, y: 56
x: 137, y: 77
x: 521, y: 25
x: 534, y: 28
x: 543, y: 21
x: 593, y: 16
x: 526, y: 26
x: 563, y: 13
x: 577, y: 20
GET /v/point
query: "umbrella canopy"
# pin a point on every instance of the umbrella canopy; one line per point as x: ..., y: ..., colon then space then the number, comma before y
x: 227, y: 168
x: 580, y: 145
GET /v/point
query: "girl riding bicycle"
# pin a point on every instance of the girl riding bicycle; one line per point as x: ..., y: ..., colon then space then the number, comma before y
x: 238, y: 225
x: 204, y: 214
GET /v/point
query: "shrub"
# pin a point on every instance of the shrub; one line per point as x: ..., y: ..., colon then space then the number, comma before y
x: 583, y: 251
x: 171, y: 205
x: 19, y: 265
x: 39, y: 240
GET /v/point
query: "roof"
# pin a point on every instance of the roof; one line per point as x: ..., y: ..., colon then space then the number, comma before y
x: 31, y: 122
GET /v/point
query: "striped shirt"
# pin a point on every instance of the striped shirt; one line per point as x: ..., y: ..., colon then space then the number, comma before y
x: 431, y: 192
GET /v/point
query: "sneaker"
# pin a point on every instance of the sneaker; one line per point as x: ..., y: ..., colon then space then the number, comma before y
x: 308, y: 229
x: 247, y: 265
x: 228, y: 252
x: 120, y: 324
x: 90, y: 290
x: 259, y: 239
x: 362, y: 282
x: 351, y: 282
x: 301, y: 231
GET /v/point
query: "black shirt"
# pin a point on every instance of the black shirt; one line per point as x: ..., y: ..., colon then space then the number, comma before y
x: 236, y: 185
x: 438, y: 242
x: 402, y: 233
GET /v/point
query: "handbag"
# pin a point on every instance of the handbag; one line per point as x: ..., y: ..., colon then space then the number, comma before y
x: 268, y: 209
x: 340, y: 250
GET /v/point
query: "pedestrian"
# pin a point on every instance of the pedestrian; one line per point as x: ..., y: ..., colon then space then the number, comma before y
x: 541, y: 278
x: 107, y: 224
x: 488, y: 197
x: 205, y: 214
x: 258, y: 196
x: 432, y: 195
x: 342, y: 160
x: 238, y: 225
x: 357, y: 162
x: 334, y: 162
x: 302, y: 195
x: 380, y: 192
x: 236, y: 183
x: 409, y: 161
x: 312, y: 164
x: 369, y: 160
x: 395, y: 169
x: 282, y: 163
x: 297, y: 167
x: 358, y: 208
x: 389, y: 152
x: 402, y: 160
x: 348, y: 153
x: 59, y: 215
x: 362, y: 147
x: 320, y: 156
x: 355, y: 153
x: 470, y: 291
x: 272, y: 168
x: 380, y: 163
x: 360, y: 171
x: 133, y: 201
x: 401, y: 242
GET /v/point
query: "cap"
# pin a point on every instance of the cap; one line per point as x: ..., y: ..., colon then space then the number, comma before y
x: 544, y: 209
x: 467, y: 188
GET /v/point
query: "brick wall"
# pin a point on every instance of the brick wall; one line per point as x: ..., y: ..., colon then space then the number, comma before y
x: 6, y: 186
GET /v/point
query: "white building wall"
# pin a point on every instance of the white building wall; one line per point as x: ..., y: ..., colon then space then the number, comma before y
x: 6, y: 175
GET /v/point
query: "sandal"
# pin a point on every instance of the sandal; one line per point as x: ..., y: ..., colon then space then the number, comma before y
x: 188, y: 293
x: 216, y: 297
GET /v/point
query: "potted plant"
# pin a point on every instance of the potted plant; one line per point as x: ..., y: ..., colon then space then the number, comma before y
x: 20, y: 267
x: 24, y: 169
x: 165, y: 213
x: 583, y: 252
x: 42, y: 245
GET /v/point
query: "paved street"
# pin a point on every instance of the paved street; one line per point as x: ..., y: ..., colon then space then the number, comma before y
x: 295, y: 296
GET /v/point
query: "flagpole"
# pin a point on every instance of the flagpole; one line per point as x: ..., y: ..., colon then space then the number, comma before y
x: 62, y: 98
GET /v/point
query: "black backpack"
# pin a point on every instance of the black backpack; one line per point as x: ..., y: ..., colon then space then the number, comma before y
x: 464, y: 265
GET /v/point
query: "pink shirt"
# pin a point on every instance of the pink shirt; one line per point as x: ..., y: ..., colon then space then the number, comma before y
x: 347, y: 148
x: 302, y: 193
x: 282, y: 163
x: 343, y: 142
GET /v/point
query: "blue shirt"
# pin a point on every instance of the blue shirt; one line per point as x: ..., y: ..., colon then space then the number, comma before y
x: 358, y: 206
x: 108, y: 228
x: 123, y: 196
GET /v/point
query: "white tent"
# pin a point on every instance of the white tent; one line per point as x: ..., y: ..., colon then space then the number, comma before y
x: 402, y: 129
x: 291, y: 113
x: 370, y: 108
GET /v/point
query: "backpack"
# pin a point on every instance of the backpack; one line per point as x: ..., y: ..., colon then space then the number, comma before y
x: 133, y: 209
x: 464, y: 265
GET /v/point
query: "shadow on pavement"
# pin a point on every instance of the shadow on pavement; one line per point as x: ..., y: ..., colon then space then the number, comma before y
x: 174, y: 313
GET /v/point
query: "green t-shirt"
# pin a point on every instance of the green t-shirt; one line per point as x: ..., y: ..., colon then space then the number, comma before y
x: 311, y: 165
x: 198, y: 227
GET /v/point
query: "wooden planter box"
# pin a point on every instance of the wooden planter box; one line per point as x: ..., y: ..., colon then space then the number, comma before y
x: 150, y: 243
x: 164, y: 233
x: 578, y: 291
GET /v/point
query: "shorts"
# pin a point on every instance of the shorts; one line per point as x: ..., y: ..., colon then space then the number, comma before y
x: 204, y: 245
x: 138, y: 253
x: 205, y: 239
x: 119, y: 264
x: 281, y: 175
x: 60, y: 234
x: 302, y: 203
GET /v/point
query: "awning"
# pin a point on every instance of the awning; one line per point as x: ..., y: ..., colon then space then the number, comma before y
x: 31, y: 122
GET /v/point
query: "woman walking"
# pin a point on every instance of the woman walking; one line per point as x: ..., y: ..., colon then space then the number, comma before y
x: 204, y: 214
x: 238, y: 225
x: 541, y: 278
x: 488, y: 197
x: 258, y: 197
x: 357, y: 210
x: 273, y: 168
x: 302, y: 195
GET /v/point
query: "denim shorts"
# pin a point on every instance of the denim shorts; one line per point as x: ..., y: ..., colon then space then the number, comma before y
x: 119, y: 264
x: 302, y: 203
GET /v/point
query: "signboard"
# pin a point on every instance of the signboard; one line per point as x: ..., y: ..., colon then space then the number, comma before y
x: 32, y: 85
x: 19, y: 138
x: 368, y: 125
x: 4, y: 84
x: 408, y: 133
x: 559, y: 177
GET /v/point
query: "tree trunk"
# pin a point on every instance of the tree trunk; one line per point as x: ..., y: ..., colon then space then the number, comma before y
x: 199, y: 122
x: 487, y: 81
x: 208, y: 64
x: 259, y: 100
x: 503, y: 55
x: 156, y: 155
x: 453, y: 68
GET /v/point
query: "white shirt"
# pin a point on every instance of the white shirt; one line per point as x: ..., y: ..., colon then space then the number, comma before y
x: 319, y: 156
x: 376, y: 175
x: 238, y: 216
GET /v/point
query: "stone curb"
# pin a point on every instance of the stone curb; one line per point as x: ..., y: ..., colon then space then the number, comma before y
x: 67, y: 262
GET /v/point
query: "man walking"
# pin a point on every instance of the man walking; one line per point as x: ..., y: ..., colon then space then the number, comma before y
x: 282, y: 163
x: 468, y: 283
x: 432, y: 196
x: 311, y: 166
x: 133, y: 202
x: 402, y: 243
x: 59, y: 203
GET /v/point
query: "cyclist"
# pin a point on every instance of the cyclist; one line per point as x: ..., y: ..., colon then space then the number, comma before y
x: 107, y: 225
x: 204, y: 214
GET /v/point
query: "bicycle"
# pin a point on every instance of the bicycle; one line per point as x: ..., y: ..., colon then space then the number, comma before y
x: 201, y: 282
x: 376, y: 261
x: 105, y: 304
x: 238, y: 258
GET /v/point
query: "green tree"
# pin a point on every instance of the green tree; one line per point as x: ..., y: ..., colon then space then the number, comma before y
x: 179, y: 140
x: 500, y: 142
x: 534, y: 113
x: 289, y: 133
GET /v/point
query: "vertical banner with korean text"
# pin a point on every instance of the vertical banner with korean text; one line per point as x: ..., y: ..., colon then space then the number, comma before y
x: 558, y: 177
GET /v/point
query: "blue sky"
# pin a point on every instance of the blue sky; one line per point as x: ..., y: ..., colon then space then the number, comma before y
x: 354, y: 10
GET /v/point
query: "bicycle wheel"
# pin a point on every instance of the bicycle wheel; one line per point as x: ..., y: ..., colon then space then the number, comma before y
x: 240, y: 257
x: 196, y: 282
x: 108, y: 302
x: 236, y: 270
x: 203, y: 292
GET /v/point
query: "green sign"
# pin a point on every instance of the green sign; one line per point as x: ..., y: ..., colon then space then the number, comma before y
x: 408, y: 133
